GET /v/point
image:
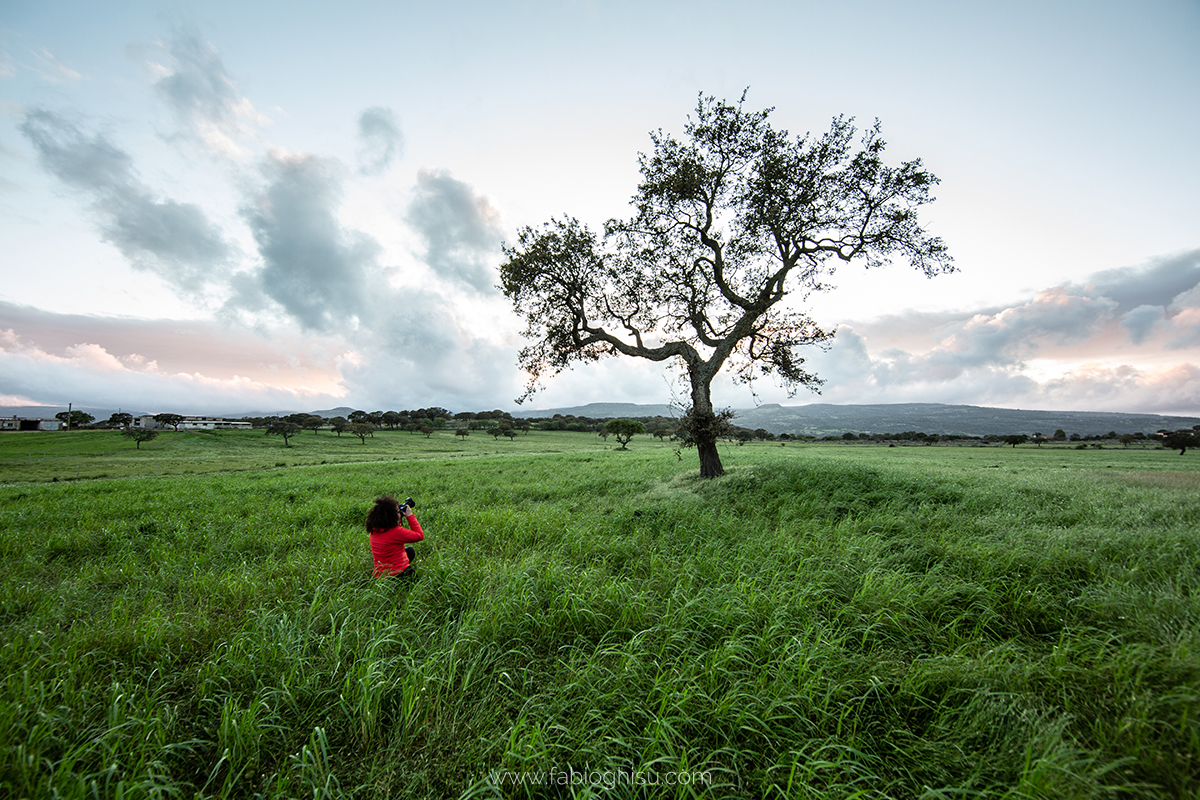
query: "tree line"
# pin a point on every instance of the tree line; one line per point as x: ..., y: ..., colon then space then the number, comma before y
x: 427, y: 421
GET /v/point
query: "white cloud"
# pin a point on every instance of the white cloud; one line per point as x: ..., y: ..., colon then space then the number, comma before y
x: 174, y: 240
x: 461, y: 229
x: 380, y: 140
x: 51, y: 70
x: 205, y: 99
x: 88, y: 370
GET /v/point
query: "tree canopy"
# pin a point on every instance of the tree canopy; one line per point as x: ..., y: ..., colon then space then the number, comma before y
x: 624, y: 430
x: 281, y: 427
x: 75, y: 419
x: 728, y: 221
x: 169, y: 419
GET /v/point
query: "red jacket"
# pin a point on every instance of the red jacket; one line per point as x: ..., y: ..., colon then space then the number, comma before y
x: 388, y: 547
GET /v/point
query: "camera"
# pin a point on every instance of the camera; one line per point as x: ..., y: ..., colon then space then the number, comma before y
x: 408, y: 504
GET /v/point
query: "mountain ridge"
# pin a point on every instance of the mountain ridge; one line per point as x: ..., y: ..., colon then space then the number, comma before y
x: 825, y: 419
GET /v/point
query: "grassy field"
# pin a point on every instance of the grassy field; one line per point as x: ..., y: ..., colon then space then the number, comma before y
x: 823, y: 621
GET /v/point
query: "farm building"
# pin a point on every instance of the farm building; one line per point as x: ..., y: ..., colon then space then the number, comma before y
x: 193, y: 423
x: 15, y: 423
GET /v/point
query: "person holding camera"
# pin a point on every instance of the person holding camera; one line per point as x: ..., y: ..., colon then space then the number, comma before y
x: 390, y: 539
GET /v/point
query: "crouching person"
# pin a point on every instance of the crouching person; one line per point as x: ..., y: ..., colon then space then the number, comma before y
x: 390, y: 539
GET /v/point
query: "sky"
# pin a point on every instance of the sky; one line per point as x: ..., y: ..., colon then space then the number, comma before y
x: 240, y: 207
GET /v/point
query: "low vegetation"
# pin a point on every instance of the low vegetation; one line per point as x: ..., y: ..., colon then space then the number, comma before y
x: 826, y: 620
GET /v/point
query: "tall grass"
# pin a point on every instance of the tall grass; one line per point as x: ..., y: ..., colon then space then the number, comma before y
x: 821, y: 622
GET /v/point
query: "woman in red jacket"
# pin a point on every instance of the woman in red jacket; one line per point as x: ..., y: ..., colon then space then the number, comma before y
x: 389, y: 539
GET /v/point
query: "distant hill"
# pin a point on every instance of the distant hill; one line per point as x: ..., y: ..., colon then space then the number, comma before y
x: 825, y: 419
x: 603, y: 411
x: 48, y: 412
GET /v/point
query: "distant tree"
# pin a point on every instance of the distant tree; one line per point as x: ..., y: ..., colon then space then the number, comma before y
x: 523, y: 426
x: 339, y: 424
x: 662, y: 433
x: 312, y: 422
x: 1060, y: 435
x: 120, y: 419
x: 169, y: 419
x: 463, y: 432
x: 729, y: 221
x: 78, y: 419
x: 284, y: 428
x: 427, y: 430
x: 139, y: 435
x: 1181, y: 441
x: 623, y: 430
x: 850, y: 437
x: 391, y: 419
x: 1016, y: 439
x: 1040, y: 439
x: 1126, y: 439
x: 362, y: 430
x: 357, y: 416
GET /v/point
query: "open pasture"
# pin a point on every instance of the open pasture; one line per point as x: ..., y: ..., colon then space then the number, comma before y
x: 80, y: 455
x: 823, y: 621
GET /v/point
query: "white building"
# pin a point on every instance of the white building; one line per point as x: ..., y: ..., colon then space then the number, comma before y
x: 15, y: 423
x: 194, y: 423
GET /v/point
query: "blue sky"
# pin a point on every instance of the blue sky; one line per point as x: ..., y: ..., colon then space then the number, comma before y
x: 231, y: 206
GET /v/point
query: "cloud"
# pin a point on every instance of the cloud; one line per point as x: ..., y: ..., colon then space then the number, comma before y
x: 1153, y: 284
x: 317, y: 271
x: 1084, y: 346
x: 8, y: 68
x: 380, y: 140
x: 1141, y: 322
x: 89, y: 370
x: 205, y: 99
x: 173, y: 240
x: 461, y: 230
x: 1054, y: 316
x: 184, y: 345
x: 421, y: 346
x: 51, y: 70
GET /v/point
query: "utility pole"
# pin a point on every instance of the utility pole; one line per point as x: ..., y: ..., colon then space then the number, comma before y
x: 68, y: 416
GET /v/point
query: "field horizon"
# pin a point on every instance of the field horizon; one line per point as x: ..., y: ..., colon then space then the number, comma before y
x: 820, y: 419
x: 197, y: 618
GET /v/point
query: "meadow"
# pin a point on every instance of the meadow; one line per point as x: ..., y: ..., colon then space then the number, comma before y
x: 197, y: 619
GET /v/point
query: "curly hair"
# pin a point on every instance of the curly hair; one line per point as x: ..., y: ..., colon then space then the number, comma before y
x: 385, y: 515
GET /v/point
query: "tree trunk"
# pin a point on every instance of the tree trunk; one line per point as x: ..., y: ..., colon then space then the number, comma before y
x: 710, y: 460
x: 705, y: 435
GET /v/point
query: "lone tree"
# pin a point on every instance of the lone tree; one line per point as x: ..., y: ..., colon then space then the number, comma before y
x: 1181, y: 440
x: 623, y: 430
x: 728, y: 222
x: 281, y: 427
x: 139, y: 435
